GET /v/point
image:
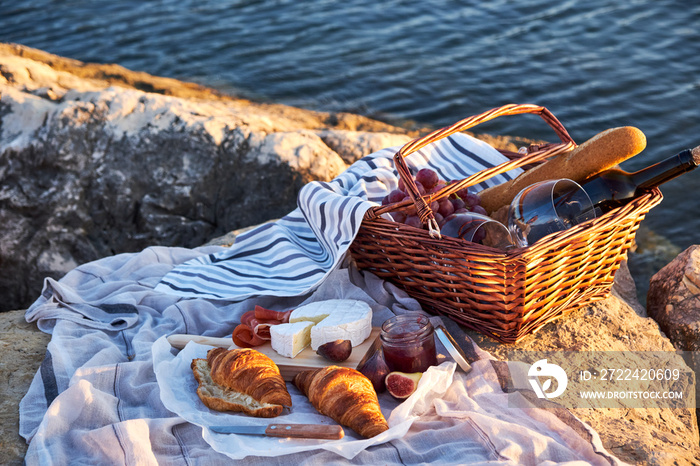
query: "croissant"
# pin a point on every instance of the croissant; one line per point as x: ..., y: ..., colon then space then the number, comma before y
x: 346, y: 396
x: 241, y: 380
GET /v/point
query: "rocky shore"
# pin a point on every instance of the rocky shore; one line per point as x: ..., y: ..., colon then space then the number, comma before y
x: 97, y: 160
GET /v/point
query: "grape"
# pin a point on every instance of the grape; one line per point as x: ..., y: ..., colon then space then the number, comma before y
x: 453, y: 225
x: 427, y: 177
x: 457, y: 203
x: 441, y: 184
x: 479, y: 210
x: 471, y: 200
x: 402, y: 185
x: 479, y: 236
x: 414, y: 221
x: 427, y: 181
x: 396, y: 196
x: 412, y: 209
x: 463, y: 193
x: 446, y: 207
x: 398, y: 216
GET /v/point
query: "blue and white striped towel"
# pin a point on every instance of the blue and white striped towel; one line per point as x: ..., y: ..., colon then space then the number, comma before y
x: 293, y: 255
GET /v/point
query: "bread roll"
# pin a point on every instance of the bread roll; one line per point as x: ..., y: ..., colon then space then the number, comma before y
x: 241, y: 380
x: 599, y: 153
x: 346, y: 396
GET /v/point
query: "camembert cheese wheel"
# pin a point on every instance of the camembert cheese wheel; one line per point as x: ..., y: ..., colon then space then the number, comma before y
x: 321, y: 322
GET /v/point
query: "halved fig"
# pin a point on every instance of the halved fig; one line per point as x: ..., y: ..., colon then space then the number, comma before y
x: 402, y: 385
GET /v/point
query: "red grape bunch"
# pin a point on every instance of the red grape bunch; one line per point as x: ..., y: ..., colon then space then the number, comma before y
x: 428, y: 182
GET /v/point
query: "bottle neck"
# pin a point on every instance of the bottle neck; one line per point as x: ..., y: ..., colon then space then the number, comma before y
x: 664, y: 171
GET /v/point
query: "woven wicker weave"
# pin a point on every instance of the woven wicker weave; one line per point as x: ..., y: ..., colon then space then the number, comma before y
x: 503, y: 294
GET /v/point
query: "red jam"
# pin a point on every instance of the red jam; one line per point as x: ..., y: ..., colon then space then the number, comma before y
x: 408, y: 343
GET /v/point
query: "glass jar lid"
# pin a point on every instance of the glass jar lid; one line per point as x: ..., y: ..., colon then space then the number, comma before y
x: 406, y: 328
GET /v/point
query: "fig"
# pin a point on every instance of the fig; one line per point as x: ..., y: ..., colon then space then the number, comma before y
x: 336, y: 351
x: 402, y: 385
x: 376, y: 370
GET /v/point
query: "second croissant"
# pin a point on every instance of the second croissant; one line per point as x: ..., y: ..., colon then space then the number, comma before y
x: 346, y: 396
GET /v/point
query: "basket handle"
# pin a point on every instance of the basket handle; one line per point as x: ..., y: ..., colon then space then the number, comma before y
x: 540, y: 153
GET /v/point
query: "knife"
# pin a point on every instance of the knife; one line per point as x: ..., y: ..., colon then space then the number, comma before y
x: 320, y: 431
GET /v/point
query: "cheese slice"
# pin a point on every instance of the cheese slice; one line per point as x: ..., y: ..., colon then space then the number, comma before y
x: 336, y: 319
x: 290, y: 339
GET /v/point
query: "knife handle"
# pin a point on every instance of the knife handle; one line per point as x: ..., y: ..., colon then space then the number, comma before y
x: 329, y: 432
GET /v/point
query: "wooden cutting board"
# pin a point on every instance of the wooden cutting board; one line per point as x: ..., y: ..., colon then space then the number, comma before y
x: 289, y: 367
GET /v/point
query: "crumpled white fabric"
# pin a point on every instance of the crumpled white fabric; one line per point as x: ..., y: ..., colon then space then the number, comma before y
x: 97, y: 399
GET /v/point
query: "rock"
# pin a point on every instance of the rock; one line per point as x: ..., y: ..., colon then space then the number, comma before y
x: 50, y: 76
x: 673, y: 299
x: 353, y: 145
x: 651, y: 253
x: 91, y: 165
x: 22, y: 349
x: 653, y: 436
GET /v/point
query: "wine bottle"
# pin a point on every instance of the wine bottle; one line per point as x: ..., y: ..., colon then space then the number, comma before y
x: 612, y: 188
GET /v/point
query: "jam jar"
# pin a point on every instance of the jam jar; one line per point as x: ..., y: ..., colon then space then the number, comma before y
x: 408, y: 343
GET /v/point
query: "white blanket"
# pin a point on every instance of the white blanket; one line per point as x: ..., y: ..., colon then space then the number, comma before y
x: 97, y: 400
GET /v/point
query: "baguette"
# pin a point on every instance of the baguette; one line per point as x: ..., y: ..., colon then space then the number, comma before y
x: 241, y: 380
x: 599, y: 153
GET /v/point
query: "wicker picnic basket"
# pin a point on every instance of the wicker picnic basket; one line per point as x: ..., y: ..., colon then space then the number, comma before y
x: 503, y: 294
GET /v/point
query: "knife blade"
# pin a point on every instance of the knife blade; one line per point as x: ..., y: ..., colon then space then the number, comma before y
x: 453, y: 348
x: 179, y: 341
x: 317, y: 431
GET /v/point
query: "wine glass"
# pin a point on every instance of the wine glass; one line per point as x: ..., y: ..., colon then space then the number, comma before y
x: 547, y: 207
x: 477, y: 228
